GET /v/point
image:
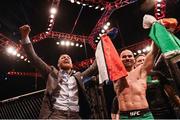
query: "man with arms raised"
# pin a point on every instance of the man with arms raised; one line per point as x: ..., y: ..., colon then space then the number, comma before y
x: 131, y: 90
x: 65, y: 96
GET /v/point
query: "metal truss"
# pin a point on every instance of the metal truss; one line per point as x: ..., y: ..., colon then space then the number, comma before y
x: 109, y: 8
x: 59, y: 35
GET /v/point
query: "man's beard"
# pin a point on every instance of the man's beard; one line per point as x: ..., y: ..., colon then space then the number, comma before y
x: 66, y: 66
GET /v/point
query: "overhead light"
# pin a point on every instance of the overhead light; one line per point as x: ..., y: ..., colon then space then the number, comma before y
x: 51, y: 16
x: 51, y: 20
x: 135, y: 53
x: 159, y: 0
x: 148, y: 48
x: 53, y: 10
x: 108, y: 23
x: 106, y: 27
x: 72, y: 44
x: 72, y: 1
x: 57, y: 43
x: 81, y: 46
x: 98, y: 37
x: 77, y: 44
x: 158, y: 5
x: 62, y: 43
x: 96, y: 7
x: 139, y: 51
x: 14, y: 52
x: 90, y: 6
x: 10, y: 49
x: 18, y: 55
x: 84, y: 4
x: 96, y: 41
x: 103, y: 31
x: 22, y: 57
x: 102, y: 9
x: 78, y: 2
x: 67, y: 43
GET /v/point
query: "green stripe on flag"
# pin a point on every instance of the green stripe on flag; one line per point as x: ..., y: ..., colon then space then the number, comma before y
x: 165, y: 40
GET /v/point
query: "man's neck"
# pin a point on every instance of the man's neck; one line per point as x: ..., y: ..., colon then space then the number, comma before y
x: 67, y: 71
x: 129, y: 69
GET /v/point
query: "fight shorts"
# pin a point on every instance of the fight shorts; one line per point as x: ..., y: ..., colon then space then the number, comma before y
x: 142, y: 114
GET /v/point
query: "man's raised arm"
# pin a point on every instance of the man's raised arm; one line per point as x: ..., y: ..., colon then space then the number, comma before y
x: 27, y: 45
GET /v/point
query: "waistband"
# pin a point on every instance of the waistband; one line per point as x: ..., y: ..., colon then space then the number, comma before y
x: 65, y: 111
x: 134, y: 113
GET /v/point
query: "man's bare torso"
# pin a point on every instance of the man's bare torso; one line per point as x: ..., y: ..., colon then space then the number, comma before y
x: 133, y: 93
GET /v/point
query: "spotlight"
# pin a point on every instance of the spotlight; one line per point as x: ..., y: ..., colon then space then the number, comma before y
x: 22, y: 57
x: 57, y: 43
x: 139, y: 51
x: 102, y: 9
x: 81, y: 46
x: 96, y: 7
x: 67, y: 43
x: 62, y: 43
x: 51, y: 16
x: 10, y: 50
x: 72, y: 1
x: 78, y: 2
x: 53, y: 10
x: 77, y: 44
x: 72, y: 44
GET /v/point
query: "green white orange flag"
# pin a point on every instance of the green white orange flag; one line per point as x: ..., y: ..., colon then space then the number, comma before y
x: 164, y: 39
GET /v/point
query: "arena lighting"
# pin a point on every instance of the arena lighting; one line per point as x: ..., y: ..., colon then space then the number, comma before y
x: 18, y: 55
x: 57, y: 43
x: 105, y: 27
x: 148, y: 48
x: 77, y: 44
x: 139, y: 51
x: 51, y: 16
x: 48, y: 28
x: 67, y: 43
x: 103, y: 31
x: 144, y: 50
x: 72, y: 1
x: 96, y: 7
x: 72, y: 44
x: 159, y: 0
x: 22, y: 57
x: 62, y: 43
x: 100, y: 34
x: 28, y: 61
x: 10, y: 50
x: 158, y: 10
x: 81, y: 46
x: 102, y: 9
x: 51, y: 20
x: 47, y: 32
x: 50, y: 25
x: 53, y: 10
x: 98, y: 37
x: 84, y: 4
x: 158, y: 5
x: 78, y: 2
x: 135, y: 53
x: 108, y: 23
x: 14, y: 52
x: 90, y: 6
x: 96, y: 41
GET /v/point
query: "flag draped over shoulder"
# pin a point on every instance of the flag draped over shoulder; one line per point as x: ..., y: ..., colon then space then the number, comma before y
x: 109, y: 63
x: 165, y: 40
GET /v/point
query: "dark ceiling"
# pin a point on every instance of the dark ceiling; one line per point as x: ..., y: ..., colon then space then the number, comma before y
x: 14, y: 13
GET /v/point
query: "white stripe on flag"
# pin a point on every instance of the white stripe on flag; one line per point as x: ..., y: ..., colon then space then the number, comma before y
x: 103, y: 74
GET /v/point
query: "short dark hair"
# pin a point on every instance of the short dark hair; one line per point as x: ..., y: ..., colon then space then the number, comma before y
x: 140, y: 55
